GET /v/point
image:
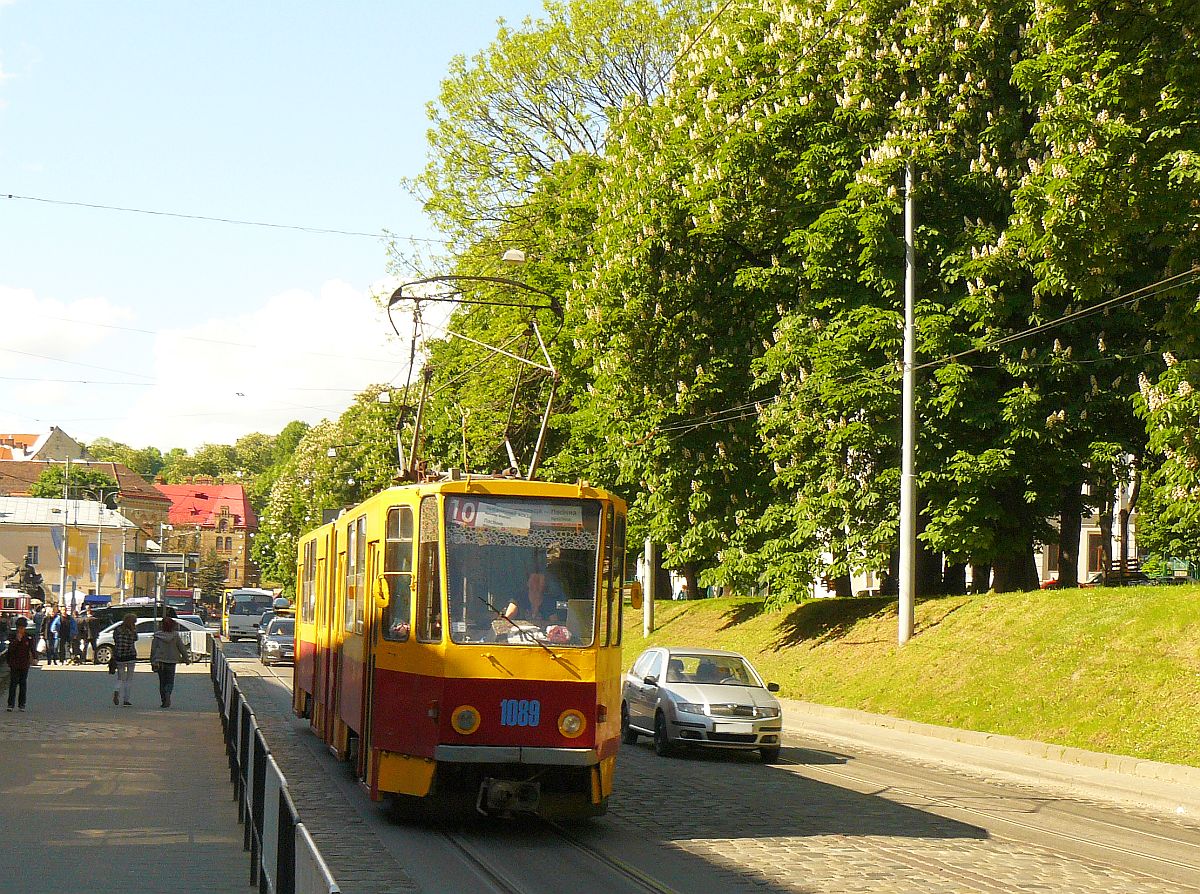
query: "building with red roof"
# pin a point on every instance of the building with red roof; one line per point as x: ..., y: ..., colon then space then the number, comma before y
x: 218, y: 518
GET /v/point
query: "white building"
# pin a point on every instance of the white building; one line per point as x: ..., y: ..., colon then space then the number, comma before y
x: 96, y: 538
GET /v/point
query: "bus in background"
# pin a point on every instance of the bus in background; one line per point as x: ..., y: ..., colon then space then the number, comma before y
x: 241, y: 612
x: 183, y: 601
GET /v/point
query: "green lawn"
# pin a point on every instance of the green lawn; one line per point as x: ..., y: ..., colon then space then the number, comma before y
x: 1114, y: 670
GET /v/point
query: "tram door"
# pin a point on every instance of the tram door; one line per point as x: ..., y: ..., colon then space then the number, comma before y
x: 369, y: 638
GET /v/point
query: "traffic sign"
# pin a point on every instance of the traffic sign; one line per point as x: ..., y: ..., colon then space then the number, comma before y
x: 161, y: 561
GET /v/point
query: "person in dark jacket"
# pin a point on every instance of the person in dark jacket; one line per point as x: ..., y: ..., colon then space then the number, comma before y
x: 19, y: 657
x: 48, y: 629
x: 125, y: 654
x: 89, y: 630
x: 167, y: 649
x: 64, y: 629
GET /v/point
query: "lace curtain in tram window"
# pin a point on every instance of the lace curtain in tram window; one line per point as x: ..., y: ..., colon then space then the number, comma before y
x: 429, y: 588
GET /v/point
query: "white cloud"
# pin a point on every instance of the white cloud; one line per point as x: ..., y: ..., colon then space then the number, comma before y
x: 298, y: 356
x: 66, y: 331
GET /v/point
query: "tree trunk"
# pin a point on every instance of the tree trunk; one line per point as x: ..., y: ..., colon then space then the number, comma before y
x: 954, y: 579
x: 1126, y: 511
x: 843, y: 585
x: 889, y: 583
x: 929, y: 563
x: 1015, y: 568
x: 1070, y: 523
x: 1106, y: 527
x: 689, y: 578
x: 981, y: 577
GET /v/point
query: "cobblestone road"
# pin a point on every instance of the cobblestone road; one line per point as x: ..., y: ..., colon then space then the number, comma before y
x: 826, y: 821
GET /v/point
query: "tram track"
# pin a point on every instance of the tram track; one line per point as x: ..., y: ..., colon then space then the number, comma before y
x: 617, y: 875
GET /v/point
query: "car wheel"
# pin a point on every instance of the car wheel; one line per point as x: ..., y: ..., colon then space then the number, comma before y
x: 770, y: 754
x: 104, y: 655
x: 628, y: 735
x: 662, y: 740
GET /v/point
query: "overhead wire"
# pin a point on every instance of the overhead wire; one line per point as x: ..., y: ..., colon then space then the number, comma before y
x: 1170, y: 283
x: 383, y: 234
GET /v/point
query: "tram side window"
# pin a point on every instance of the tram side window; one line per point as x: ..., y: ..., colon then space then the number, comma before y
x: 619, y: 579
x: 308, y: 592
x: 348, y: 577
x: 604, y: 631
x: 397, y: 572
x: 360, y: 575
x: 429, y: 589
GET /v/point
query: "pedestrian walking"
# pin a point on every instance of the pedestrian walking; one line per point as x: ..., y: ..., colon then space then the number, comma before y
x: 77, y: 640
x: 64, y: 628
x: 125, y: 656
x: 89, y: 631
x: 19, y: 658
x: 167, y: 650
x: 49, y: 626
x: 35, y: 631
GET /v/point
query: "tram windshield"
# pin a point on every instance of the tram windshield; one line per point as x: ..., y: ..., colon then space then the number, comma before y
x: 521, y: 570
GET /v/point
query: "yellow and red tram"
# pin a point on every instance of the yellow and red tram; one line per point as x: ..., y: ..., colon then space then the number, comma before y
x: 462, y: 638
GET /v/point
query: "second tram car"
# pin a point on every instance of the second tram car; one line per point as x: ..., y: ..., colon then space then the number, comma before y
x: 461, y: 638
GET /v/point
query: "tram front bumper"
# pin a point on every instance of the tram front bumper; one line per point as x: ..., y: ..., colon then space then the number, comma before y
x: 516, y: 754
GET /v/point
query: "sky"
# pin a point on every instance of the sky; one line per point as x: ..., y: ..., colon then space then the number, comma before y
x: 165, y: 331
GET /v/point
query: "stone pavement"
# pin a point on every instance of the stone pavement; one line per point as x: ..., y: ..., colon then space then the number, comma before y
x: 117, y: 800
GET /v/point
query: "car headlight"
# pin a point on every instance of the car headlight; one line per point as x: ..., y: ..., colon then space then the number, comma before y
x: 768, y: 712
x: 690, y: 708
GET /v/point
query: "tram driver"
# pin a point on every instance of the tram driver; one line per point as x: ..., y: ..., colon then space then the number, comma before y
x: 537, y: 606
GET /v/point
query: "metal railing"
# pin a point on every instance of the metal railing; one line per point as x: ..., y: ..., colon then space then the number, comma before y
x: 283, y: 857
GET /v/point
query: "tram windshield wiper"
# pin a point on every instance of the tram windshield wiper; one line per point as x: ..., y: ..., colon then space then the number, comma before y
x: 521, y: 631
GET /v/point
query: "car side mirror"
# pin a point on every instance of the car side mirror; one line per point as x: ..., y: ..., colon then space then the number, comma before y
x: 650, y: 680
x: 635, y: 595
x: 772, y: 687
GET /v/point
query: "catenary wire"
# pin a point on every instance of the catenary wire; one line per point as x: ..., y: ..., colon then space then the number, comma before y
x: 226, y: 220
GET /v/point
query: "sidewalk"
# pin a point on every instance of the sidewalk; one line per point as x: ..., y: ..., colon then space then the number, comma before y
x: 1163, y: 788
x: 116, y: 800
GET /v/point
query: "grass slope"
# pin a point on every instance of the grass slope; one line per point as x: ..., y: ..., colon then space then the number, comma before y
x: 1115, y: 670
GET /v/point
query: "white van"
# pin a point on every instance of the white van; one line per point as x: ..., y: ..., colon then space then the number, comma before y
x: 242, y: 611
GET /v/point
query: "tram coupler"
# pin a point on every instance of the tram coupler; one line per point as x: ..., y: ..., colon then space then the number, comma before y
x: 508, y: 796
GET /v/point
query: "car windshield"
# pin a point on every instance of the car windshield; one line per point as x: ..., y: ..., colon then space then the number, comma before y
x: 730, y: 670
x: 532, y: 560
x: 283, y: 628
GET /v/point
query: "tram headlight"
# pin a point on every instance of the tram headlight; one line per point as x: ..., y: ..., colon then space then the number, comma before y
x: 571, y: 723
x: 465, y: 720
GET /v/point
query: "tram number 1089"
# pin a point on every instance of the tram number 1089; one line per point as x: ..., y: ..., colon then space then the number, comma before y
x: 520, y: 712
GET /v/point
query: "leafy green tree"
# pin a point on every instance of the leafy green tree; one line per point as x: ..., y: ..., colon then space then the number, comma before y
x: 210, y: 577
x: 147, y: 461
x: 81, y: 483
x: 540, y: 94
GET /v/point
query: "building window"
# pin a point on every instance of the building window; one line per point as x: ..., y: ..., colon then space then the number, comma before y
x: 31, y: 555
x: 1095, y: 552
x: 1051, y: 558
x: 223, y: 524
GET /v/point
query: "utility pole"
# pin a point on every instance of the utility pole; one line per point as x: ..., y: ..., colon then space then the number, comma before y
x: 62, y: 571
x: 908, y: 487
x: 648, y: 596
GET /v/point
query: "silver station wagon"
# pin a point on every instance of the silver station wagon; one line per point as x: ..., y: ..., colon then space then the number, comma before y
x: 700, y: 697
